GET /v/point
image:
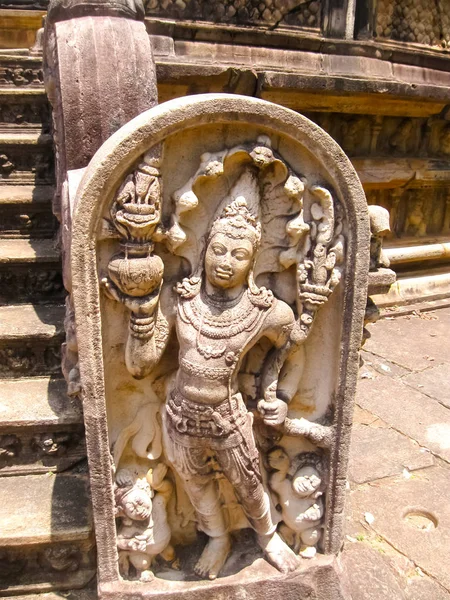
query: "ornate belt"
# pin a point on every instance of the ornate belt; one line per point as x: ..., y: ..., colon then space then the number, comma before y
x: 205, y: 421
x: 213, y: 373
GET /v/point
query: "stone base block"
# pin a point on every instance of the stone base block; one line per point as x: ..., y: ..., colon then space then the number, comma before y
x: 316, y: 579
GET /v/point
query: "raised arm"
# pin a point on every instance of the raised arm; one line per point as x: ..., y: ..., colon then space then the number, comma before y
x: 151, y: 320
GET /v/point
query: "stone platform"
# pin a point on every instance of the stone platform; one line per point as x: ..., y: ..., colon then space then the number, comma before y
x: 398, y: 525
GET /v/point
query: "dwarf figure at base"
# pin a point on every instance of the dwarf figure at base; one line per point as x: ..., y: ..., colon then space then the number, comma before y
x: 300, y: 499
x: 144, y: 532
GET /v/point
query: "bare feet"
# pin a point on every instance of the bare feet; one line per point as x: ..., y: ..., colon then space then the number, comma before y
x: 213, y: 557
x: 278, y: 553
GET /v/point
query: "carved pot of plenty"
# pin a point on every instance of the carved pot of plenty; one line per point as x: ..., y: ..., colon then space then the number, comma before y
x: 136, y: 275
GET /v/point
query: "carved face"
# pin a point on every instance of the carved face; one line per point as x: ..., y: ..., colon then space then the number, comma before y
x: 137, y: 505
x: 306, y: 481
x: 228, y: 261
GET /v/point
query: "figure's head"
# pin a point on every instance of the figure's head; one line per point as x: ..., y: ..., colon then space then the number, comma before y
x: 231, y: 246
x: 306, y: 481
x: 134, y: 500
x: 137, y: 505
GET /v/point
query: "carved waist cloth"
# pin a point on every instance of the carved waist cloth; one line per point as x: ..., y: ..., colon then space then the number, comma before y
x: 194, y: 424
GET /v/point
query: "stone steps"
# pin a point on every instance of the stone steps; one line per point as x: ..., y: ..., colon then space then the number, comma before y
x: 41, y: 428
x: 23, y: 109
x: 26, y: 158
x: 30, y: 340
x: 46, y: 540
x: 30, y: 271
x: 26, y: 211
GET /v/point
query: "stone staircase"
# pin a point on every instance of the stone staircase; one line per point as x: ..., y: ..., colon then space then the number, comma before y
x: 46, y: 539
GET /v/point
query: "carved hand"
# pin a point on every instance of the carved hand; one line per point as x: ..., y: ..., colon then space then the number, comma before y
x: 274, y: 411
x: 138, y: 545
x: 141, y: 306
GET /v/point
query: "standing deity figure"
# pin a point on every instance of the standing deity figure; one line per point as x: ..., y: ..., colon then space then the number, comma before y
x: 219, y: 315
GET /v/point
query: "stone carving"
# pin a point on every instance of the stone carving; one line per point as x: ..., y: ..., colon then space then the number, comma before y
x: 444, y: 141
x: 27, y: 165
x: 415, y: 219
x: 61, y: 558
x: 25, y: 285
x: 400, y: 140
x: 35, y: 360
x: 144, y: 532
x: 379, y: 219
x: 6, y: 165
x: 220, y: 315
x: 20, y: 76
x: 414, y: 21
x: 39, y: 452
x: 355, y: 134
x: 26, y: 115
x: 9, y: 446
x: 379, y: 229
x: 53, y: 444
x: 74, y: 563
x: 299, y: 490
x: 223, y: 258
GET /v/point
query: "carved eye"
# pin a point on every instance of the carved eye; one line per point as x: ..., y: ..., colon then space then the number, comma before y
x: 240, y: 254
x: 218, y: 249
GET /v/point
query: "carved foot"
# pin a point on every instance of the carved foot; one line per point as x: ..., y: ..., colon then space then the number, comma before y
x: 146, y: 576
x: 308, y: 551
x: 278, y: 553
x: 213, y: 557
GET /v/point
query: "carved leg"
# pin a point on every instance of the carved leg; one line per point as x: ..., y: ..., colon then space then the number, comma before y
x: 124, y: 564
x: 193, y: 468
x: 169, y: 555
x: 142, y: 563
x: 287, y: 535
x: 310, y: 537
x: 241, y: 467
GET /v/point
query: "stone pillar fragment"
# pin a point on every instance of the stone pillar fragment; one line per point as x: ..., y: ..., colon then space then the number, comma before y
x: 99, y: 74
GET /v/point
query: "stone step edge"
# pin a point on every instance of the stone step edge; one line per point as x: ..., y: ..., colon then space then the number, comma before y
x: 37, y: 402
x: 28, y: 322
x: 87, y: 593
x: 57, y: 507
x: 25, y: 250
x: 33, y: 138
x: 26, y: 194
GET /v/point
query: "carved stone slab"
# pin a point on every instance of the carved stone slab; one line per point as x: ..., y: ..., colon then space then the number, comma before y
x: 220, y: 254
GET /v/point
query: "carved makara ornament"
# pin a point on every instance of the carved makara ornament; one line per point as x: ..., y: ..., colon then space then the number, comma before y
x: 136, y: 272
x: 230, y: 328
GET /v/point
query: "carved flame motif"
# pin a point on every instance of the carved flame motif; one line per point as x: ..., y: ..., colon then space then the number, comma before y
x: 137, y: 210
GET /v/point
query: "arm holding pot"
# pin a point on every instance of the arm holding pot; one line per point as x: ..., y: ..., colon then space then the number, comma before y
x: 149, y: 327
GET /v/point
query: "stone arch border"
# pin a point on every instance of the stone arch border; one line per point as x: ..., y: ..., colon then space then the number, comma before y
x: 107, y: 168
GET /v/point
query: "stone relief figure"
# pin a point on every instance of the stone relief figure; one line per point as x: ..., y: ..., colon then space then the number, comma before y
x: 144, y: 532
x: 240, y: 349
x: 415, y: 219
x: 300, y: 497
x: 379, y: 228
x: 400, y: 140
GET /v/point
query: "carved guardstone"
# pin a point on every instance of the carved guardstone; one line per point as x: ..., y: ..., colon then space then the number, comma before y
x: 220, y: 254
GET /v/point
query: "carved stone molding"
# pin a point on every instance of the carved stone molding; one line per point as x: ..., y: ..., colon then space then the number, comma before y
x: 270, y: 13
x: 165, y: 190
x: 27, y: 452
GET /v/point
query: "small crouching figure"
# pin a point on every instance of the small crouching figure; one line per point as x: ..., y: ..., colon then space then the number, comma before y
x: 300, y: 499
x: 144, y: 532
